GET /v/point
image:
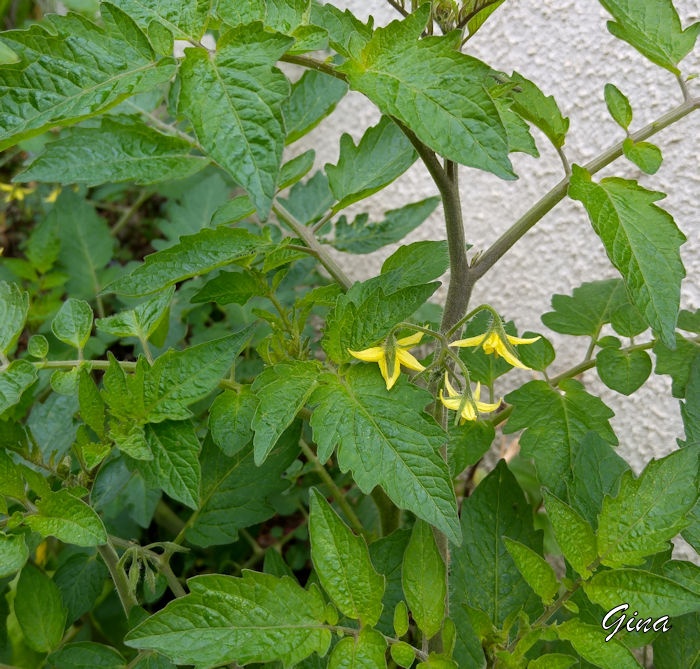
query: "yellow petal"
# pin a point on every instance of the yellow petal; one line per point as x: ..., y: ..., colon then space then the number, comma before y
x: 395, y: 373
x: 511, y: 359
x: 407, y: 360
x: 411, y: 340
x: 468, y: 412
x: 450, y: 390
x: 450, y: 403
x: 471, y: 341
x: 374, y: 354
x: 485, y: 407
x: 519, y: 340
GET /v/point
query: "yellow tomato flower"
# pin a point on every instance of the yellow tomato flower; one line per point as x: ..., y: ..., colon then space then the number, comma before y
x: 467, y: 406
x: 53, y: 195
x: 390, y: 357
x: 15, y: 192
x: 491, y: 342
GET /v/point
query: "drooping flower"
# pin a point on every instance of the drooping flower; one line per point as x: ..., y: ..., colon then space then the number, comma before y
x: 467, y: 406
x: 15, y: 192
x: 390, y: 356
x: 494, y: 342
x: 53, y: 195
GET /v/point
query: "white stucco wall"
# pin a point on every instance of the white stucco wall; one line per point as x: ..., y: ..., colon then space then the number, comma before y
x: 564, y: 46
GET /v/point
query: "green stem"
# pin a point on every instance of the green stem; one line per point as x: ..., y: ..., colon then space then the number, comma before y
x: 389, y: 513
x: 310, y: 240
x: 126, y: 216
x: 121, y: 582
x: 338, y: 494
x: 508, y: 239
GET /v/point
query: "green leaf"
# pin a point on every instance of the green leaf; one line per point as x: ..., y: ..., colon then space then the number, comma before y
x: 540, y: 110
x: 653, y: 28
x: 573, y: 534
x: 677, y: 361
x: 70, y: 68
x: 346, y: 33
x: 86, y: 655
x: 423, y: 578
x: 256, y: 618
x: 518, y: 131
x: 534, y: 569
x: 418, y: 262
x: 682, y: 648
x: 411, y: 80
x: 487, y: 579
x: 14, y: 380
x: 641, y: 240
x: 365, y: 314
x: 73, y: 323
x: 385, y: 439
x: 618, y: 106
x: 175, y: 465
x: 38, y: 346
x: 366, y: 651
x: 233, y: 211
x: 646, y: 156
x: 142, y: 321
x: 313, y: 97
x: 468, y: 443
x: 690, y: 409
x: 623, y: 371
x: 185, y: 20
x: 14, y: 306
x: 80, y: 578
x: 554, y: 423
x: 383, y: 154
x: 589, y: 642
x: 648, y: 511
x: 400, y: 619
x: 180, y: 378
x: 342, y: 564
x: 230, y: 288
x: 136, y: 153
x: 387, y: 557
x: 282, y: 391
x: 11, y: 482
x: 363, y: 237
x: 282, y: 15
x: 683, y: 572
x: 403, y: 654
x: 86, y: 244
x: 246, y: 134
x: 194, y: 254
x: 552, y: 661
x: 539, y: 354
x: 236, y: 493
x: 475, y: 12
x: 589, y: 308
x: 296, y: 169
x: 651, y: 594
x: 39, y: 609
x: 13, y: 554
x: 69, y: 519
x: 231, y: 418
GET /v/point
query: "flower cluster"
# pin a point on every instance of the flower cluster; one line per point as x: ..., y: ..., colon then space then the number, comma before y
x: 393, y: 353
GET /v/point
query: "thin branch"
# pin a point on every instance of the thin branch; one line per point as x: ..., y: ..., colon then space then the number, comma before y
x: 683, y: 87
x: 564, y: 161
x: 508, y: 239
x: 121, y: 582
x: 401, y: 10
x: 126, y: 216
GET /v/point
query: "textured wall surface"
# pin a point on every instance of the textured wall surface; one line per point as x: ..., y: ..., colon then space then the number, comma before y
x: 564, y: 46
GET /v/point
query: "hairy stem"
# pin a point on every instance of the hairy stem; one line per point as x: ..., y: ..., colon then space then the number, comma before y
x: 121, y: 582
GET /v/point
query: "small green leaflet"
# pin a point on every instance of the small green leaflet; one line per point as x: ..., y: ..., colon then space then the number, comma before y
x: 418, y: 262
x: 11, y: 483
x: 367, y: 651
x: 540, y: 110
x: 342, y: 564
x: 73, y: 323
x: 230, y: 419
x: 554, y: 423
x: 256, y: 618
x: 474, y: 13
x: 14, y: 380
x: 642, y: 242
x: 677, y: 362
x: 423, y: 579
x: 387, y: 557
x: 80, y: 578
x: 346, y: 33
x: 233, y: 100
x: 409, y: 79
x: 194, y: 254
x: 653, y: 28
x: 645, y: 155
x: 360, y: 236
x: 282, y: 15
x: 86, y: 655
x: 185, y: 20
x: 652, y: 594
x: 282, y: 391
x: 589, y: 642
x: 39, y: 609
x: 534, y: 569
x: 142, y: 321
x: 648, y: 511
x: 175, y: 466
x: 236, y: 493
x: 14, y: 305
x: 231, y: 288
x: 618, y: 106
x: 385, y: 439
x: 70, y: 68
x: 623, y: 371
x: 13, y: 553
x: 313, y: 98
x: 67, y: 518
x: 383, y: 154
x: 136, y: 153
x: 690, y: 408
